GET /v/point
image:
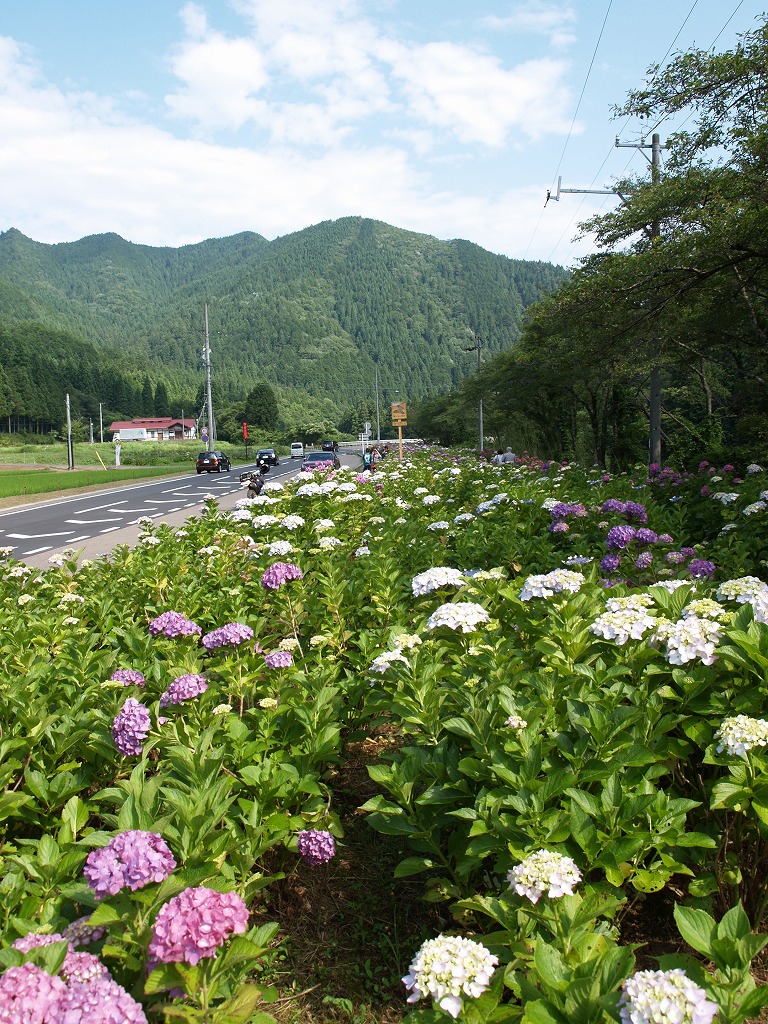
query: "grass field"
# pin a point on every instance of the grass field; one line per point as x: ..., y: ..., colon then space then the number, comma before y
x: 20, y: 481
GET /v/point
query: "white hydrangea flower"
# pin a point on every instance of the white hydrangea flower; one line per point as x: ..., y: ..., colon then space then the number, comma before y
x: 741, y: 733
x: 725, y: 497
x: 290, y: 643
x: 209, y: 550
x: 464, y: 517
x: 515, y: 722
x: 324, y: 524
x: 406, y: 641
x: 327, y: 543
x: 400, y: 521
x: 347, y: 488
x: 549, y: 503
x: 623, y: 624
x: 25, y: 599
x: 18, y: 572
x: 703, y: 608
x: 384, y: 661
x: 273, y: 486
x: 328, y: 486
x: 544, y: 872
x: 280, y: 547
x: 376, y: 521
x: 6, y: 551
x: 484, y: 506
x: 222, y: 709
x: 464, y: 616
x: 447, y: 969
x: 362, y: 550
x: 240, y: 515
x: 754, y: 468
x: 672, y: 585
x: 308, y: 490
x: 664, y: 997
x: 431, y: 499
x: 292, y: 522
x: 688, y: 638
x: 420, y: 490
x: 741, y: 590
x: 433, y: 579
x: 756, y: 506
x: 262, y: 522
x: 402, y: 504
x: 357, y: 496
x: 547, y: 584
x: 441, y: 524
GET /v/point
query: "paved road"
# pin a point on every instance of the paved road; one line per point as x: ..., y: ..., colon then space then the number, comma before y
x: 97, y: 521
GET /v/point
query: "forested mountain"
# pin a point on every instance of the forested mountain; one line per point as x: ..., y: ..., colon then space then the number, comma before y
x: 306, y: 312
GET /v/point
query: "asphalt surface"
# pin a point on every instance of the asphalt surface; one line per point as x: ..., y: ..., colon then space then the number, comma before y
x: 95, y: 523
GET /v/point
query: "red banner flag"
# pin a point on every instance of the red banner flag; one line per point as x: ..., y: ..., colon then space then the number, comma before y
x: 245, y: 431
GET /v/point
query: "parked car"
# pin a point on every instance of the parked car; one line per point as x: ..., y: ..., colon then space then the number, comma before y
x: 297, y: 450
x: 330, y: 446
x: 269, y: 455
x: 212, y: 462
x: 316, y: 459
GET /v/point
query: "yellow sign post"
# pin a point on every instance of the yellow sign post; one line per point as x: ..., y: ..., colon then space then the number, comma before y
x: 399, y: 420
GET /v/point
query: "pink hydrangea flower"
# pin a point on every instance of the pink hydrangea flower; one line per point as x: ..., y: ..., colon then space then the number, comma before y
x: 193, y: 925
x: 28, y: 993
x: 133, y: 859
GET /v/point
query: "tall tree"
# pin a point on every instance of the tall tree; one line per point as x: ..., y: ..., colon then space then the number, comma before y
x: 261, y: 408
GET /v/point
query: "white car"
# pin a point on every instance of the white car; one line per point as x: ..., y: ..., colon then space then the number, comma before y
x: 297, y: 450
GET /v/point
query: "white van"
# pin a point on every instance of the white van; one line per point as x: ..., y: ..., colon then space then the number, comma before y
x: 297, y: 450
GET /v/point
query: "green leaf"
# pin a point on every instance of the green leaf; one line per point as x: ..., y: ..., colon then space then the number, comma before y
x: 697, y: 928
x: 163, y: 978
x: 242, y: 1006
x: 413, y: 866
x: 540, y: 1012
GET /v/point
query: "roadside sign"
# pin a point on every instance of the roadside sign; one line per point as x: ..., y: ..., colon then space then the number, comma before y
x: 204, y: 434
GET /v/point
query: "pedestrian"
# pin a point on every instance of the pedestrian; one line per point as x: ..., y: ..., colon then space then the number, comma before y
x: 509, y: 456
x: 368, y: 459
x: 498, y: 458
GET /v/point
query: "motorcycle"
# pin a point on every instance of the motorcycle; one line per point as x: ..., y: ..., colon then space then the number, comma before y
x: 255, y: 481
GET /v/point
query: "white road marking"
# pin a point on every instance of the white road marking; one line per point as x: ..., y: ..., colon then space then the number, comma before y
x: 36, y: 551
x: 91, y: 522
x: 109, y: 529
x: 38, y: 536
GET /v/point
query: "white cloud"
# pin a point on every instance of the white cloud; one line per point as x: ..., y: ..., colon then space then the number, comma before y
x: 552, y: 20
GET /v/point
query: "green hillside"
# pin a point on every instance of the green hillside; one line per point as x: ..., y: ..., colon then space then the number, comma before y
x: 306, y: 312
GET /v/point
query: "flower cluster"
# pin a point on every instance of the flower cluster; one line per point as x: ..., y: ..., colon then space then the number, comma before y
x: 699, y: 568
x: 193, y: 925
x: 544, y: 872
x: 278, y: 659
x: 741, y: 733
x: 688, y: 638
x: 279, y: 573
x: 30, y: 994
x: 316, y: 847
x: 433, y: 579
x: 231, y: 635
x: 384, y: 661
x: 183, y: 688
x: 743, y: 590
x: 548, y: 584
x: 620, y: 537
x: 128, y: 677
x: 464, y: 616
x: 99, y: 1001
x: 659, y: 997
x: 447, y: 969
x: 133, y: 859
x: 172, y: 624
x: 82, y: 933
x: 515, y: 722
x: 626, y: 618
x: 131, y: 727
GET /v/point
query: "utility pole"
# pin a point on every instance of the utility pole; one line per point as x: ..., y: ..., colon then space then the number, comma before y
x: 70, y: 449
x: 478, y: 347
x: 101, y: 425
x: 378, y: 420
x: 654, y: 442
x: 209, y: 400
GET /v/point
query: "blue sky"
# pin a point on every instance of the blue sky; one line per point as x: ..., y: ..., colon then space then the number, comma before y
x: 169, y: 121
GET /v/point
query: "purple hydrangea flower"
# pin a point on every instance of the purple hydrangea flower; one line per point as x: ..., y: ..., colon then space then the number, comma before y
x: 28, y: 993
x: 646, y: 536
x: 82, y: 933
x: 699, y: 568
x: 231, y: 635
x: 194, y: 924
x: 612, y: 505
x: 83, y: 968
x: 675, y: 557
x: 173, y: 624
x: 99, y: 1001
x: 128, y: 677
x: 619, y: 537
x: 610, y: 563
x: 665, y: 538
x: 316, y: 847
x: 133, y: 858
x: 279, y: 659
x: 644, y: 560
x: 280, y: 573
x: 131, y: 727
x: 559, y: 526
x: 632, y: 510
x: 183, y: 688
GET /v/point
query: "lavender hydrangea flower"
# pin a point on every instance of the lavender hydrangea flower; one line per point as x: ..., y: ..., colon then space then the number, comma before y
x: 619, y: 537
x: 280, y: 573
x: 610, y: 562
x: 133, y: 858
x: 657, y: 997
x: 644, y: 560
x: 632, y: 510
x: 98, y: 1001
x: 699, y: 568
x: 128, y: 677
x: 544, y: 872
x: 183, y: 688
x: 644, y: 535
x: 82, y: 933
x: 612, y: 505
x: 28, y: 993
x: 316, y: 847
x: 130, y: 728
x: 192, y: 925
x: 231, y: 635
x: 278, y: 659
x: 172, y: 624
x: 447, y: 969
